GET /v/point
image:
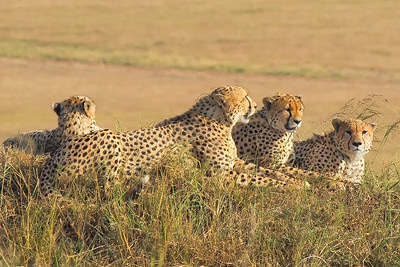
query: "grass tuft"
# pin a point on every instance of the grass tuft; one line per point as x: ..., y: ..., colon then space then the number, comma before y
x: 184, y: 218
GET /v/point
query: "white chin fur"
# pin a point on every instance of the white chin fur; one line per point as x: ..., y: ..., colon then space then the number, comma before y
x: 359, y: 153
x: 244, y: 119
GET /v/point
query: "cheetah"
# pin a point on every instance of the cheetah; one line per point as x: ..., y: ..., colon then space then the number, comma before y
x: 267, y: 140
x: 206, y: 128
x: 340, y: 152
x: 76, y: 115
x: 268, y: 137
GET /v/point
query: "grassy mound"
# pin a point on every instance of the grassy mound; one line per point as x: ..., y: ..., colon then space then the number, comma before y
x: 186, y: 219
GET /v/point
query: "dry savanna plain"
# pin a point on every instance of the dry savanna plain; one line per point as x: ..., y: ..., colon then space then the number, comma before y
x: 142, y: 62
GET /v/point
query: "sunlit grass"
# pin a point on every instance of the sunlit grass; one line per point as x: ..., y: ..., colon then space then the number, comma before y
x: 31, y: 49
x: 186, y: 219
x: 290, y: 38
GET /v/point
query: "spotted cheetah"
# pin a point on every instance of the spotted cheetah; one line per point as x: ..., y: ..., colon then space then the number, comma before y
x: 76, y: 115
x: 340, y: 152
x: 267, y: 140
x: 206, y: 128
x: 268, y: 137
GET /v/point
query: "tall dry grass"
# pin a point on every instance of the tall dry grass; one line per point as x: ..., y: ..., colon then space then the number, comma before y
x: 186, y: 219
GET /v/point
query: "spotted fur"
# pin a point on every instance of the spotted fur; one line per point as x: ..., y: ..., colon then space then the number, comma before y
x: 268, y: 138
x: 340, y: 152
x: 206, y: 128
x: 76, y: 115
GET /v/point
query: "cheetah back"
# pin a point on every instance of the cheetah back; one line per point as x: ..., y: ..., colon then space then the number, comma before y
x: 206, y: 127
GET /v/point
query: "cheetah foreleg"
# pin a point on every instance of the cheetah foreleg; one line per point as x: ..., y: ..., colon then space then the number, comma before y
x: 331, y: 180
x: 250, y: 174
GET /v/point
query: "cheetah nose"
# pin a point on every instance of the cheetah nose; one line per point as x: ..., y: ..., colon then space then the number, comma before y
x: 357, y: 144
x: 297, y: 121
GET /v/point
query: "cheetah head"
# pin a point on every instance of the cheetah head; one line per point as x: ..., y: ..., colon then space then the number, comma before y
x: 354, y: 137
x: 235, y: 104
x: 283, y: 112
x: 76, y: 115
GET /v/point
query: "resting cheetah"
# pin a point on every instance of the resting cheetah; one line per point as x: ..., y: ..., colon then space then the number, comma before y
x: 267, y: 140
x: 268, y: 137
x: 340, y: 152
x: 206, y: 128
x: 76, y: 115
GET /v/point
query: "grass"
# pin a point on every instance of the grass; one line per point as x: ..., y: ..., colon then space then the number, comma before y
x: 333, y: 39
x: 185, y: 219
x: 33, y: 49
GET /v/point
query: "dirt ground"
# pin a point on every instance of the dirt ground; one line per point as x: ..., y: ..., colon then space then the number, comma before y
x: 130, y: 98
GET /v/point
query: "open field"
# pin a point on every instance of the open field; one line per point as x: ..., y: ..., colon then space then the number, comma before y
x: 131, y: 97
x: 329, y: 52
x: 144, y: 61
x: 333, y: 38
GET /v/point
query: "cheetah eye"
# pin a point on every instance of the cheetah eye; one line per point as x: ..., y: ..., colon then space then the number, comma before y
x: 287, y: 109
x: 364, y: 132
x: 348, y: 132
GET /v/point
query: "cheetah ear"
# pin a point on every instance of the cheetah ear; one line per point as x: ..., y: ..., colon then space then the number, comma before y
x: 57, y: 107
x: 373, y: 125
x: 267, y: 101
x: 299, y: 97
x: 336, y: 122
x: 89, y: 107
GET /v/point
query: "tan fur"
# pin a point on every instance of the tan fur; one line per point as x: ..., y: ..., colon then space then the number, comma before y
x: 268, y: 138
x: 206, y: 129
x: 340, y: 152
x: 76, y: 115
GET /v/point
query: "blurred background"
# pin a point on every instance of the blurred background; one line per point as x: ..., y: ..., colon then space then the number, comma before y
x: 144, y: 61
